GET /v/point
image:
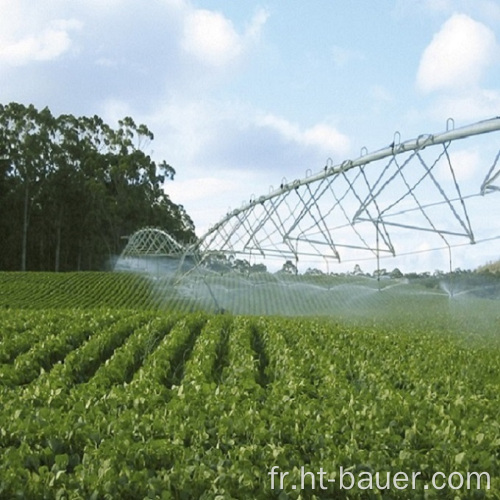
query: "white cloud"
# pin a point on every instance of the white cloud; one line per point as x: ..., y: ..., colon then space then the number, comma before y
x: 458, y: 55
x: 187, y: 127
x: 207, y: 198
x: 322, y: 136
x: 226, y: 151
x: 254, y: 29
x: 326, y: 138
x: 212, y: 39
x: 231, y: 135
x: 30, y: 34
x: 47, y: 44
x: 114, y: 110
x: 201, y: 188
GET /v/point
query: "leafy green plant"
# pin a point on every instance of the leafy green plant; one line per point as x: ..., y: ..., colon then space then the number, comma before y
x: 122, y: 403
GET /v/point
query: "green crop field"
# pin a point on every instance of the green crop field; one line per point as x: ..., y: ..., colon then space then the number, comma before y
x: 75, y: 290
x: 109, y: 392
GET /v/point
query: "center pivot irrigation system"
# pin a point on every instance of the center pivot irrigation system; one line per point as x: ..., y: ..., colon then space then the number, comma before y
x: 422, y: 194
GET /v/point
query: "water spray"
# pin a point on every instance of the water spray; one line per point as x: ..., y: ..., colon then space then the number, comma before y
x: 371, y: 208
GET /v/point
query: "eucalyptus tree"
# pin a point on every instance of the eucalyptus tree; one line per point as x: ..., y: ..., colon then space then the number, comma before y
x: 75, y: 186
x: 26, y: 136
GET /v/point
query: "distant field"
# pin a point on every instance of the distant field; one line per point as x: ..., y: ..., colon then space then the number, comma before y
x: 107, y: 391
x: 33, y: 290
x: 457, y: 307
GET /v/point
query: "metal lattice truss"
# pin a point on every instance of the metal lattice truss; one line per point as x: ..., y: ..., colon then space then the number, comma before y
x: 152, y: 242
x: 422, y: 185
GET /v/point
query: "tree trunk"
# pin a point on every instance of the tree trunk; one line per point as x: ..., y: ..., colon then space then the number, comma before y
x: 58, y: 242
x: 41, y: 258
x: 79, y: 258
x: 25, y: 228
x: 58, y: 248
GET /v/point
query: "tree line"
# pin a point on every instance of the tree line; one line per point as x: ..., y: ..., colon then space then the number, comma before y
x: 72, y: 187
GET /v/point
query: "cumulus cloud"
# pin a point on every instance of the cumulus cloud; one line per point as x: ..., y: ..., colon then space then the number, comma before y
x: 46, y: 45
x: 142, y: 62
x: 458, y: 55
x: 327, y: 139
x: 235, y: 136
x: 126, y: 51
x: 249, y: 139
x: 212, y: 38
x: 33, y: 35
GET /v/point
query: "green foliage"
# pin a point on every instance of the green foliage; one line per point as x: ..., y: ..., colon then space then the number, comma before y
x: 491, y: 267
x: 72, y: 187
x: 116, y: 403
x: 81, y: 290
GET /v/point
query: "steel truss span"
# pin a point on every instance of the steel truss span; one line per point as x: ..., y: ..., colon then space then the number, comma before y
x: 371, y: 205
x: 152, y: 242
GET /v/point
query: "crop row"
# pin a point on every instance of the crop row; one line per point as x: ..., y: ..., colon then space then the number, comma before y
x: 131, y: 404
x: 75, y: 290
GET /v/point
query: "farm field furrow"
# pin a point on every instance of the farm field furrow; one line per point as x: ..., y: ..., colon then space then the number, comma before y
x: 75, y: 290
x: 149, y: 404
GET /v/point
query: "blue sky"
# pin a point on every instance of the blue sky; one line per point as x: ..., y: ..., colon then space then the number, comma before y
x: 241, y: 94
